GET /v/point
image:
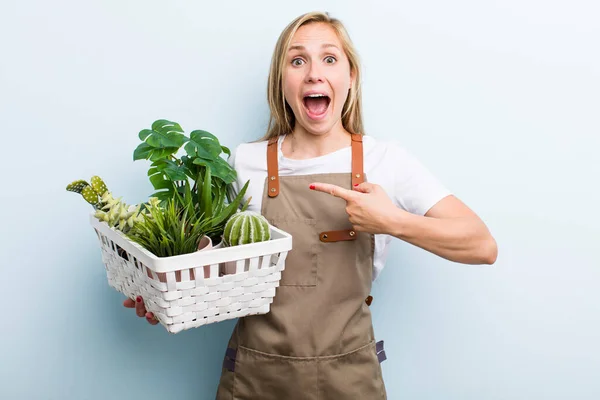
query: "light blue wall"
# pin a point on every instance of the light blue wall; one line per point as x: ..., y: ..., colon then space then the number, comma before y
x: 499, y: 99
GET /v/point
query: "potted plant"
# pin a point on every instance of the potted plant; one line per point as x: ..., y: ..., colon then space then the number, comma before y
x: 201, y: 171
x: 168, y: 249
x: 244, y: 227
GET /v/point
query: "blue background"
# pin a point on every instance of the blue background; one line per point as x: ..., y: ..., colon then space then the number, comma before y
x: 498, y: 99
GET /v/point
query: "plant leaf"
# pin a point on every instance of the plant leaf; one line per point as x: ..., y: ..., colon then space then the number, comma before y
x: 219, y: 168
x: 146, y: 152
x: 171, y: 169
x: 164, y: 139
x: 232, y: 207
x: 204, y: 145
x: 206, y: 205
x: 226, y: 150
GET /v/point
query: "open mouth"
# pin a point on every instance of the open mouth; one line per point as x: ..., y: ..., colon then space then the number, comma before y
x: 316, y: 105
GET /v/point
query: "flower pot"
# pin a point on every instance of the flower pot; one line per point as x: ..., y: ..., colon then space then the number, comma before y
x: 225, y: 268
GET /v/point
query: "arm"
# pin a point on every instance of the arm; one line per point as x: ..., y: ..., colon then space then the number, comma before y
x: 449, y: 229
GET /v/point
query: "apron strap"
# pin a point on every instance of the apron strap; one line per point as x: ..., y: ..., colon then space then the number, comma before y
x: 357, y: 178
x: 357, y: 160
x: 273, y: 167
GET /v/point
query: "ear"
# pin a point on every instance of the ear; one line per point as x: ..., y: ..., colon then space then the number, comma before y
x: 352, y: 79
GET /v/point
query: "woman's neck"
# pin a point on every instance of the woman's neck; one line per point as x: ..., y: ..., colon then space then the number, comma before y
x: 301, y: 144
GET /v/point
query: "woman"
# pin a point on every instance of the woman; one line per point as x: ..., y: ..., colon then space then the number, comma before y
x: 343, y: 196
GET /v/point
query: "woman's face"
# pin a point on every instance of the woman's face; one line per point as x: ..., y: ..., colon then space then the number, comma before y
x: 316, y: 78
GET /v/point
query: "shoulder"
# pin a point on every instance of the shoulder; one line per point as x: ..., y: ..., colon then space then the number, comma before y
x: 249, y: 156
x: 384, y: 152
x: 411, y: 184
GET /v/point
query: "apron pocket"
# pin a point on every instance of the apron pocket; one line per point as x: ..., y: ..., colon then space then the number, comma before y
x: 301, y: 262
x: 356, y: 375
x: 272, y: 377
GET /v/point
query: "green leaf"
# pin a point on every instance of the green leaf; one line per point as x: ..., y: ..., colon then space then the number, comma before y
x: 204, y: 145
x: 219, y: 168
x: 159, y: 182
x: 206, y: 204
x: 164, y: 139
x: 164, y: 133
x: 171, y: 169
x: 146, y: 152
x: 232, y: 207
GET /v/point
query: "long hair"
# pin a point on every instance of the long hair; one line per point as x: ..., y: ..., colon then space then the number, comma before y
x: 282, y: 118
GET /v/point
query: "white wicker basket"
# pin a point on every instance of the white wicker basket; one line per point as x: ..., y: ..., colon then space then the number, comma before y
x: 191, y: 290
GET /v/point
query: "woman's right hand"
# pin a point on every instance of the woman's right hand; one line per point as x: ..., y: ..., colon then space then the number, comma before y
x: 140, y: 309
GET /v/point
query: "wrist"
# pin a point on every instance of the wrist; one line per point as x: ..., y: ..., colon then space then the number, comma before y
x: 396, y: 222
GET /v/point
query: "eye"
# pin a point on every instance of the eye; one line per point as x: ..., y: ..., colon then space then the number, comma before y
x: 297, y: 62
x: 330, y: 59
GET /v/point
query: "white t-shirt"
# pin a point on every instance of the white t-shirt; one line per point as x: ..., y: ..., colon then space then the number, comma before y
x: 409, y: 184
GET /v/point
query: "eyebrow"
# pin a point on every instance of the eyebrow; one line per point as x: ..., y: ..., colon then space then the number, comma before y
x: 324, y: 46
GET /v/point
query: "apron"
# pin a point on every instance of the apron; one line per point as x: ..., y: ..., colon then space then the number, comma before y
x: 317, y: 341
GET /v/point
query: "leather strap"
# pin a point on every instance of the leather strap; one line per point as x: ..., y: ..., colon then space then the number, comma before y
x: 357, y: 160
x: 357, y: 178
x: 273, y: 167
x: 336, y: 236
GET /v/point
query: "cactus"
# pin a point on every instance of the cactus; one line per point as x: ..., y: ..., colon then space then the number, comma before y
x: 77, y: 186
x: 246, y: 227
x: 114, y: 212
x: 98, y: 185
x: 91, y: 193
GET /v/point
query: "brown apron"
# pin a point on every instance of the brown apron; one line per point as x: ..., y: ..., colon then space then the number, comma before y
x: 317, y: 341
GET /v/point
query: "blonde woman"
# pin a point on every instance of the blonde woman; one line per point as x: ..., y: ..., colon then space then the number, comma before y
x: 343, y: 195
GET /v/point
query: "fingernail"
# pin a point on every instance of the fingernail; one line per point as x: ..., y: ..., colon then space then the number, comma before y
x: 312, y: 187
x: 356, y: 184
x: 139, y: 299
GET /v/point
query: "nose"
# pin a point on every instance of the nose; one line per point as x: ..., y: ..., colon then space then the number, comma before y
x: 314, y: 75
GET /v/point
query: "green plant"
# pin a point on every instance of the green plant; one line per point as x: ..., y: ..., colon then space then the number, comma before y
x: 201, y: 171
x: 246, y: 227
x: 170, y: 230
x: 91, y: 193
x: 113, y: 211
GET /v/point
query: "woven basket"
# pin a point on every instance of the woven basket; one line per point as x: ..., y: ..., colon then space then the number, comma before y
x: 191, y: 290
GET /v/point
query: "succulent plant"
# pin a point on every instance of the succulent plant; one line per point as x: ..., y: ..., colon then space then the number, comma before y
x: 118, y: 214
x: 246, y: 227
x: 98, y: 185
x: 111, y: 210
x: 91, y: 193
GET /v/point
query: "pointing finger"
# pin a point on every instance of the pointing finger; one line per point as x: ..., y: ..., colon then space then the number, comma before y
x: 333, y: 190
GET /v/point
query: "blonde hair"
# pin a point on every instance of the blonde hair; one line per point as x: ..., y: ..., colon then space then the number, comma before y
x: 282, y: 118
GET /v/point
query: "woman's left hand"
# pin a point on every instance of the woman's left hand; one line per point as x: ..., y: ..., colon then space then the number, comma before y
x: 370, y: 209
